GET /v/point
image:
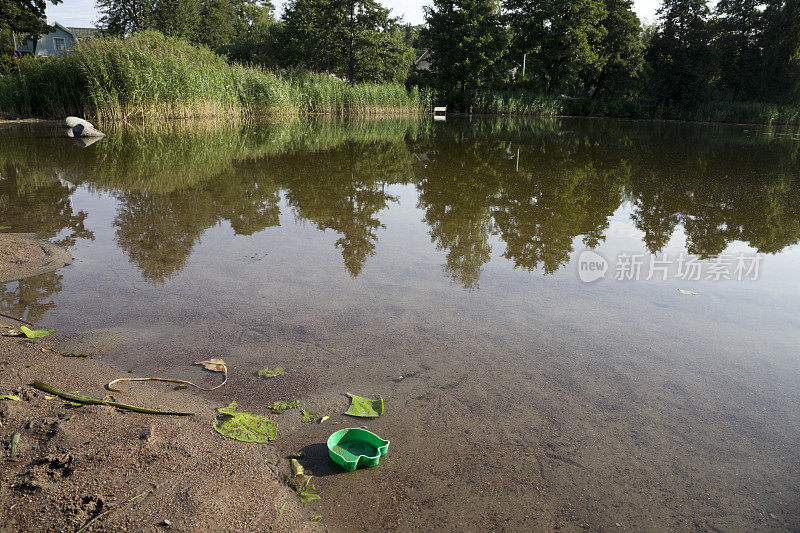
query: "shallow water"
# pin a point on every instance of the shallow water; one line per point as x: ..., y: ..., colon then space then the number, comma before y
x: 443, y: 266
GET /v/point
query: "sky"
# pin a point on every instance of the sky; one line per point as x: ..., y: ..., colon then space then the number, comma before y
x: 82, y: 13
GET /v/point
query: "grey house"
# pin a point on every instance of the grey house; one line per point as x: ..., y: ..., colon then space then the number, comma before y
x: 58, y: 43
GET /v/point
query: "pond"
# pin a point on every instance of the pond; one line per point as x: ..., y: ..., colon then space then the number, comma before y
x: 573, y: 323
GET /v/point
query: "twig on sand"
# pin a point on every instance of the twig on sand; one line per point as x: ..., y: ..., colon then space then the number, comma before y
x: 15, y: 318
x: 123, y: 504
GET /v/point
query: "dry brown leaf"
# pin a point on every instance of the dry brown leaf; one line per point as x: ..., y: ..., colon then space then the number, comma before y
x: 214, y: 365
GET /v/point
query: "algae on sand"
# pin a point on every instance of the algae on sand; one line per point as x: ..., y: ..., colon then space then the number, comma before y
x: 267, y: 373
x: 279, y: 407
x: 307, y: 416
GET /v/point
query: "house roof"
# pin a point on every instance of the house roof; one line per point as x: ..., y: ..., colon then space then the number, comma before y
x: 86, y: 34
x: 62, y: 27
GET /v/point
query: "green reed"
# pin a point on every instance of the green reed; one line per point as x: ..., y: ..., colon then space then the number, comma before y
x: 153, y: 76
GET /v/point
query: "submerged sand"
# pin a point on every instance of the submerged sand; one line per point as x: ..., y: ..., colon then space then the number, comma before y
x: 22, y: 256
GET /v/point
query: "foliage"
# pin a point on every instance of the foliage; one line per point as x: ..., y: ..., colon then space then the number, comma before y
x: 354, y: 39
x: 470, y: 44
x: 562, y: 40
x: 26, y: 16
x: 679, y: 55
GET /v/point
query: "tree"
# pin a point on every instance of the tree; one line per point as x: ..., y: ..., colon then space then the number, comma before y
x: 621, y: 50
x: 562, y: 40
x: 739, y: 25
x: 122, y: 17
x: 470, y: 46
x: 355, y: 39
x: 680, y: 54
x: 24, y: 16
x: 780, y: 41
x: 176, y: 18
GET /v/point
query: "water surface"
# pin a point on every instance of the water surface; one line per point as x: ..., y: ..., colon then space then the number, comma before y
x: 438, y: 264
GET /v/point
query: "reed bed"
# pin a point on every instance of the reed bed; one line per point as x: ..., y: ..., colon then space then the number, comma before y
x: 518, y: 101
x: 152, y: 76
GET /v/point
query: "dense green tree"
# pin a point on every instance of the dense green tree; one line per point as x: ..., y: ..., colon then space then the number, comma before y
x: 780, y: 41
x: 24, y: 16
x: 621, y: 51
x: 470, y: 44
x: 739, y: 26
x: 562, y: 40
x: 680, y: 54
x: 354, y: 39
x: 176, y: 18
x: 122, y: 17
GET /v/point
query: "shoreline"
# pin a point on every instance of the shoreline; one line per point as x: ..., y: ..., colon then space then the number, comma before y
x: 94, y: 467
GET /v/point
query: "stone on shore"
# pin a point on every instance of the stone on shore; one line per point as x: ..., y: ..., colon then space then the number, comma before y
x: 77, y: 127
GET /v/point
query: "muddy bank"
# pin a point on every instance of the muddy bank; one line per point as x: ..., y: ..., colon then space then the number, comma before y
x: 23, y: 256
x: 129, y: 471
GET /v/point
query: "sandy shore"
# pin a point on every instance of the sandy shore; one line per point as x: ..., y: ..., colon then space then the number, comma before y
x: 119, y: 470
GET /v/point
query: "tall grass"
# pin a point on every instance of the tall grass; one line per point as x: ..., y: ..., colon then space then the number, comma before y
x: 153, y: 76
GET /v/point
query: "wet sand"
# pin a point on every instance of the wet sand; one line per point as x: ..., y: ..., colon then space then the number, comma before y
x: 126, y: 470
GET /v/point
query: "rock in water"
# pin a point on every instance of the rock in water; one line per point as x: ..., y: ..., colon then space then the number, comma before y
x: 77, y: 127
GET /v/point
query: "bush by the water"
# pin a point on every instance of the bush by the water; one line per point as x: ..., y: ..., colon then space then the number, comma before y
x: 516, y: 101
x: 153, y: 76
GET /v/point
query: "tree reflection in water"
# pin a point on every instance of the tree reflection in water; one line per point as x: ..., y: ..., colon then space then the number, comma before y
x: 535, y: 186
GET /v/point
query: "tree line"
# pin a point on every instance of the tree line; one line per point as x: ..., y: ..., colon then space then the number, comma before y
x: 741, y: 50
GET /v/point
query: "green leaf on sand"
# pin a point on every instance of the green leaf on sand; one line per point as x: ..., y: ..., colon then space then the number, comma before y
x: 364, y: 407
x: 267, y: 373
x: 308, y: 416
x: 11, y: 397
x: 243, y: 426
x: 315, y: 518
x: 282, y: 509
x: 74, y: 354
x: 280, y: 407
x: 684, y: 291
x: 35, y: 333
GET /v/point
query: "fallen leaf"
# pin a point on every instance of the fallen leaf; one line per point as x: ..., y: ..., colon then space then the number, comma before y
x: 684, y: 291
x: 307, y: 416
x: 35, y: 333
x: 244, y: 426
x: 214, y: 365
x: 11, y: 397
x: 364, y: 407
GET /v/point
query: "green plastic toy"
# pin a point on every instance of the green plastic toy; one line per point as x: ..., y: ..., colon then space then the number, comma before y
x: 352, y: 448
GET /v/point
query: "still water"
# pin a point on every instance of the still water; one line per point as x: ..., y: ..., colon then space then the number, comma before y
x: 528, y: 383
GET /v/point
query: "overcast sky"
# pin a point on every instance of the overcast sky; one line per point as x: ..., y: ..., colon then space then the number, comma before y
x: 82, y: 12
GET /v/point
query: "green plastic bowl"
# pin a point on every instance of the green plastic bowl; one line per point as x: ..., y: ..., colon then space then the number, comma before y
x: 353, y: 448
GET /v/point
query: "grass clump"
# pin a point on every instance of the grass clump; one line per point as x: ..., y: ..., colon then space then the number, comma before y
x: 151, y: 75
